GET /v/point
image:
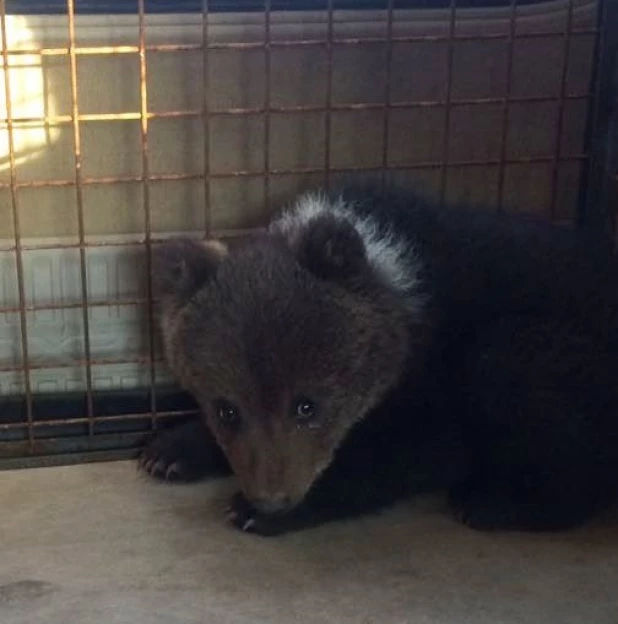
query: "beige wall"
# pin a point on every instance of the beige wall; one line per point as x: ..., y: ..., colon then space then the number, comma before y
x: 176, y: 146
x: 41, y: 86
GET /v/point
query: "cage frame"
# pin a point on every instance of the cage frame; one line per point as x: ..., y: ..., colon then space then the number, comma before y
x: 103, y: 437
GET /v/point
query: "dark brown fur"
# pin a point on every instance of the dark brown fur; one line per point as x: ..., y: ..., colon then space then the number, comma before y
x: 501, y: 387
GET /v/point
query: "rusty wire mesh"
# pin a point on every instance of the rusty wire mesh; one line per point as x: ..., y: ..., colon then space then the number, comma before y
x: 83, y: 425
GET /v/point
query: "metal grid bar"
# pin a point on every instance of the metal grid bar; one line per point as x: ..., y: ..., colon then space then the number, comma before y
x: 77, y: 150
x: 328, y: 118
x: 342, y: 41
x: 206, y: 114
x: 147, y: 216
x: 504, y: 130
x: 387, y: 91
x: 99, y: 419
x: 267, y: 90
x: 128, y: 242
x: 561, y: 102
x: 78, y: 362
x: 23, y: 322
x: 431, y: 164
x: 446, y: 125
x: 107, y: 303
x: 259, y: 110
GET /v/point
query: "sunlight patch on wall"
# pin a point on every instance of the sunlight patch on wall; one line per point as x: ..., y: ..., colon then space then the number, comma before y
x: 30, y: 104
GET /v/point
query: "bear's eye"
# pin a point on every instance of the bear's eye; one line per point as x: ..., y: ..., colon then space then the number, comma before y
x: 227, y: 413
x: 304, y: 409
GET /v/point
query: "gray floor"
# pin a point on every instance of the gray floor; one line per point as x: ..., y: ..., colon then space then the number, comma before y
x: 100, y: 543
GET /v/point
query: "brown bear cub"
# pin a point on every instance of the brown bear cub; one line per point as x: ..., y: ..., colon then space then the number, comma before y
x: 369, y: 345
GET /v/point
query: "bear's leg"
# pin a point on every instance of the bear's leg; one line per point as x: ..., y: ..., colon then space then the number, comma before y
x: 542, y: 421
x: 187, y: 452
x: 492, y: 505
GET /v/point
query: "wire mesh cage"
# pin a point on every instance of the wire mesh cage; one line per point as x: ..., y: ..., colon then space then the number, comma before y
x: 125, y: 124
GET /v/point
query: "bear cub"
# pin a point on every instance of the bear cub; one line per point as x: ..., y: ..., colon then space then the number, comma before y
x: 370, y: 344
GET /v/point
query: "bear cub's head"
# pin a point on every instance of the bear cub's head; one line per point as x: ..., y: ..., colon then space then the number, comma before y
x: 285, y: 344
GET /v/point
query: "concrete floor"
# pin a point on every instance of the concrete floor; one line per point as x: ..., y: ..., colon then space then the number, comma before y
x: 103, y: 544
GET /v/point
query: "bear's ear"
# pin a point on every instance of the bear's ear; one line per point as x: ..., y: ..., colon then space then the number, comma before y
x: 181, y: 266
x: 331, y: 248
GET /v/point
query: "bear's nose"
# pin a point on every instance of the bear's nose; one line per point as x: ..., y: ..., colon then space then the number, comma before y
x: 272, y: 504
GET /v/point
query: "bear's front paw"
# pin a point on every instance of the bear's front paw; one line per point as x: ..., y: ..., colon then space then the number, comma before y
x: 175, y: 456
x: 186, y: 452
x: 161, y: 462
x: 244, y: 517
x: 493, y: 507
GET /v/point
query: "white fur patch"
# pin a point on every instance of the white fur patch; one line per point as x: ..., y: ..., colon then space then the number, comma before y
x: 392, y: 257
